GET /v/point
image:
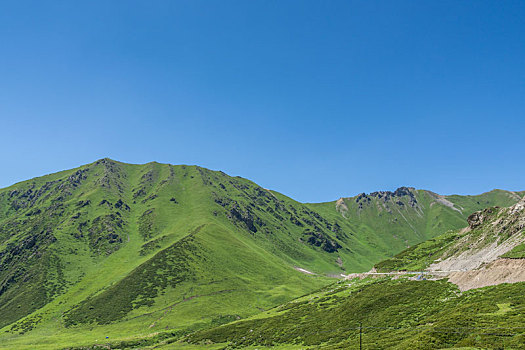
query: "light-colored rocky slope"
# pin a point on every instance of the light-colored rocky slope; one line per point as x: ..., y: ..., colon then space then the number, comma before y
x: 499, y: 271
x: 489, y: 251
x: 477, y: 259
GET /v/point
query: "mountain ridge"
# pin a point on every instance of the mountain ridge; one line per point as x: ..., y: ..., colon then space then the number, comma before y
x: 517, y: 192
x: 116, y: 247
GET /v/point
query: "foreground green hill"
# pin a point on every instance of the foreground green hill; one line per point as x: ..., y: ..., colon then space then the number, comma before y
x: 393, y: 314
x: 131, y: 251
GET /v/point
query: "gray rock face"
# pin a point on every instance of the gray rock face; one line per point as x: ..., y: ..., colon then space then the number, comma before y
x: 475, y: 219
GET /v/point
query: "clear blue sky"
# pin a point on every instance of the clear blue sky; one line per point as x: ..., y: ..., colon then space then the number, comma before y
x: 315, y: 99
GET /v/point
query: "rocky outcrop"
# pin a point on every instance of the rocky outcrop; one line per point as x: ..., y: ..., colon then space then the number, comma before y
x: 475, y: 219
x: 478, y: 218
x: 246, y: 217
x: 386, y: 196
x: 341, y: 206
x: 321, y: 240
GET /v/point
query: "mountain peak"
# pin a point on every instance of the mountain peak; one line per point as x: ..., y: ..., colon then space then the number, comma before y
x: 105, y: 160
x: 387, y: 195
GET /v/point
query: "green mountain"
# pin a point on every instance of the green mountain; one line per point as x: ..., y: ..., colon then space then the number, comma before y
x: 393, y: 221
x: 138, y: 251
x: 410, y: 310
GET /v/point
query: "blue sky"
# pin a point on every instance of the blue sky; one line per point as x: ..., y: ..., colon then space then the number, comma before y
x: 315, y: 99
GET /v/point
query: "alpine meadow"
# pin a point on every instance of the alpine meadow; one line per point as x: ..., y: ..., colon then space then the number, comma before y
x: 145, y: 255
x: 262, y: 175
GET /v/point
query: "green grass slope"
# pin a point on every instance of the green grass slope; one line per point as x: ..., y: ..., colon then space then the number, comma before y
x: 390, y: 222
x: 392, y: 314
x: 131, y: 252
x: 406, y: 311
x: 148, y: 247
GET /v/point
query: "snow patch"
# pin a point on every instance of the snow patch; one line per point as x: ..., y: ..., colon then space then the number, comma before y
x: 303, y: 270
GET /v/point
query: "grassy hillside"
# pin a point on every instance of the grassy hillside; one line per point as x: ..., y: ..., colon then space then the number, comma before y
x: 390, y: 222
x: 152, y: 247
x: 407, y: 311
x: 392, y: 314
x: 129, y: 252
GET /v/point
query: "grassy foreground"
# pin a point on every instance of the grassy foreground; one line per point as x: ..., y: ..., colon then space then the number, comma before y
x: 391, y: 314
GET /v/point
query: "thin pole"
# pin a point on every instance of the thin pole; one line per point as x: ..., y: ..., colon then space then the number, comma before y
x: 360, y: 336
